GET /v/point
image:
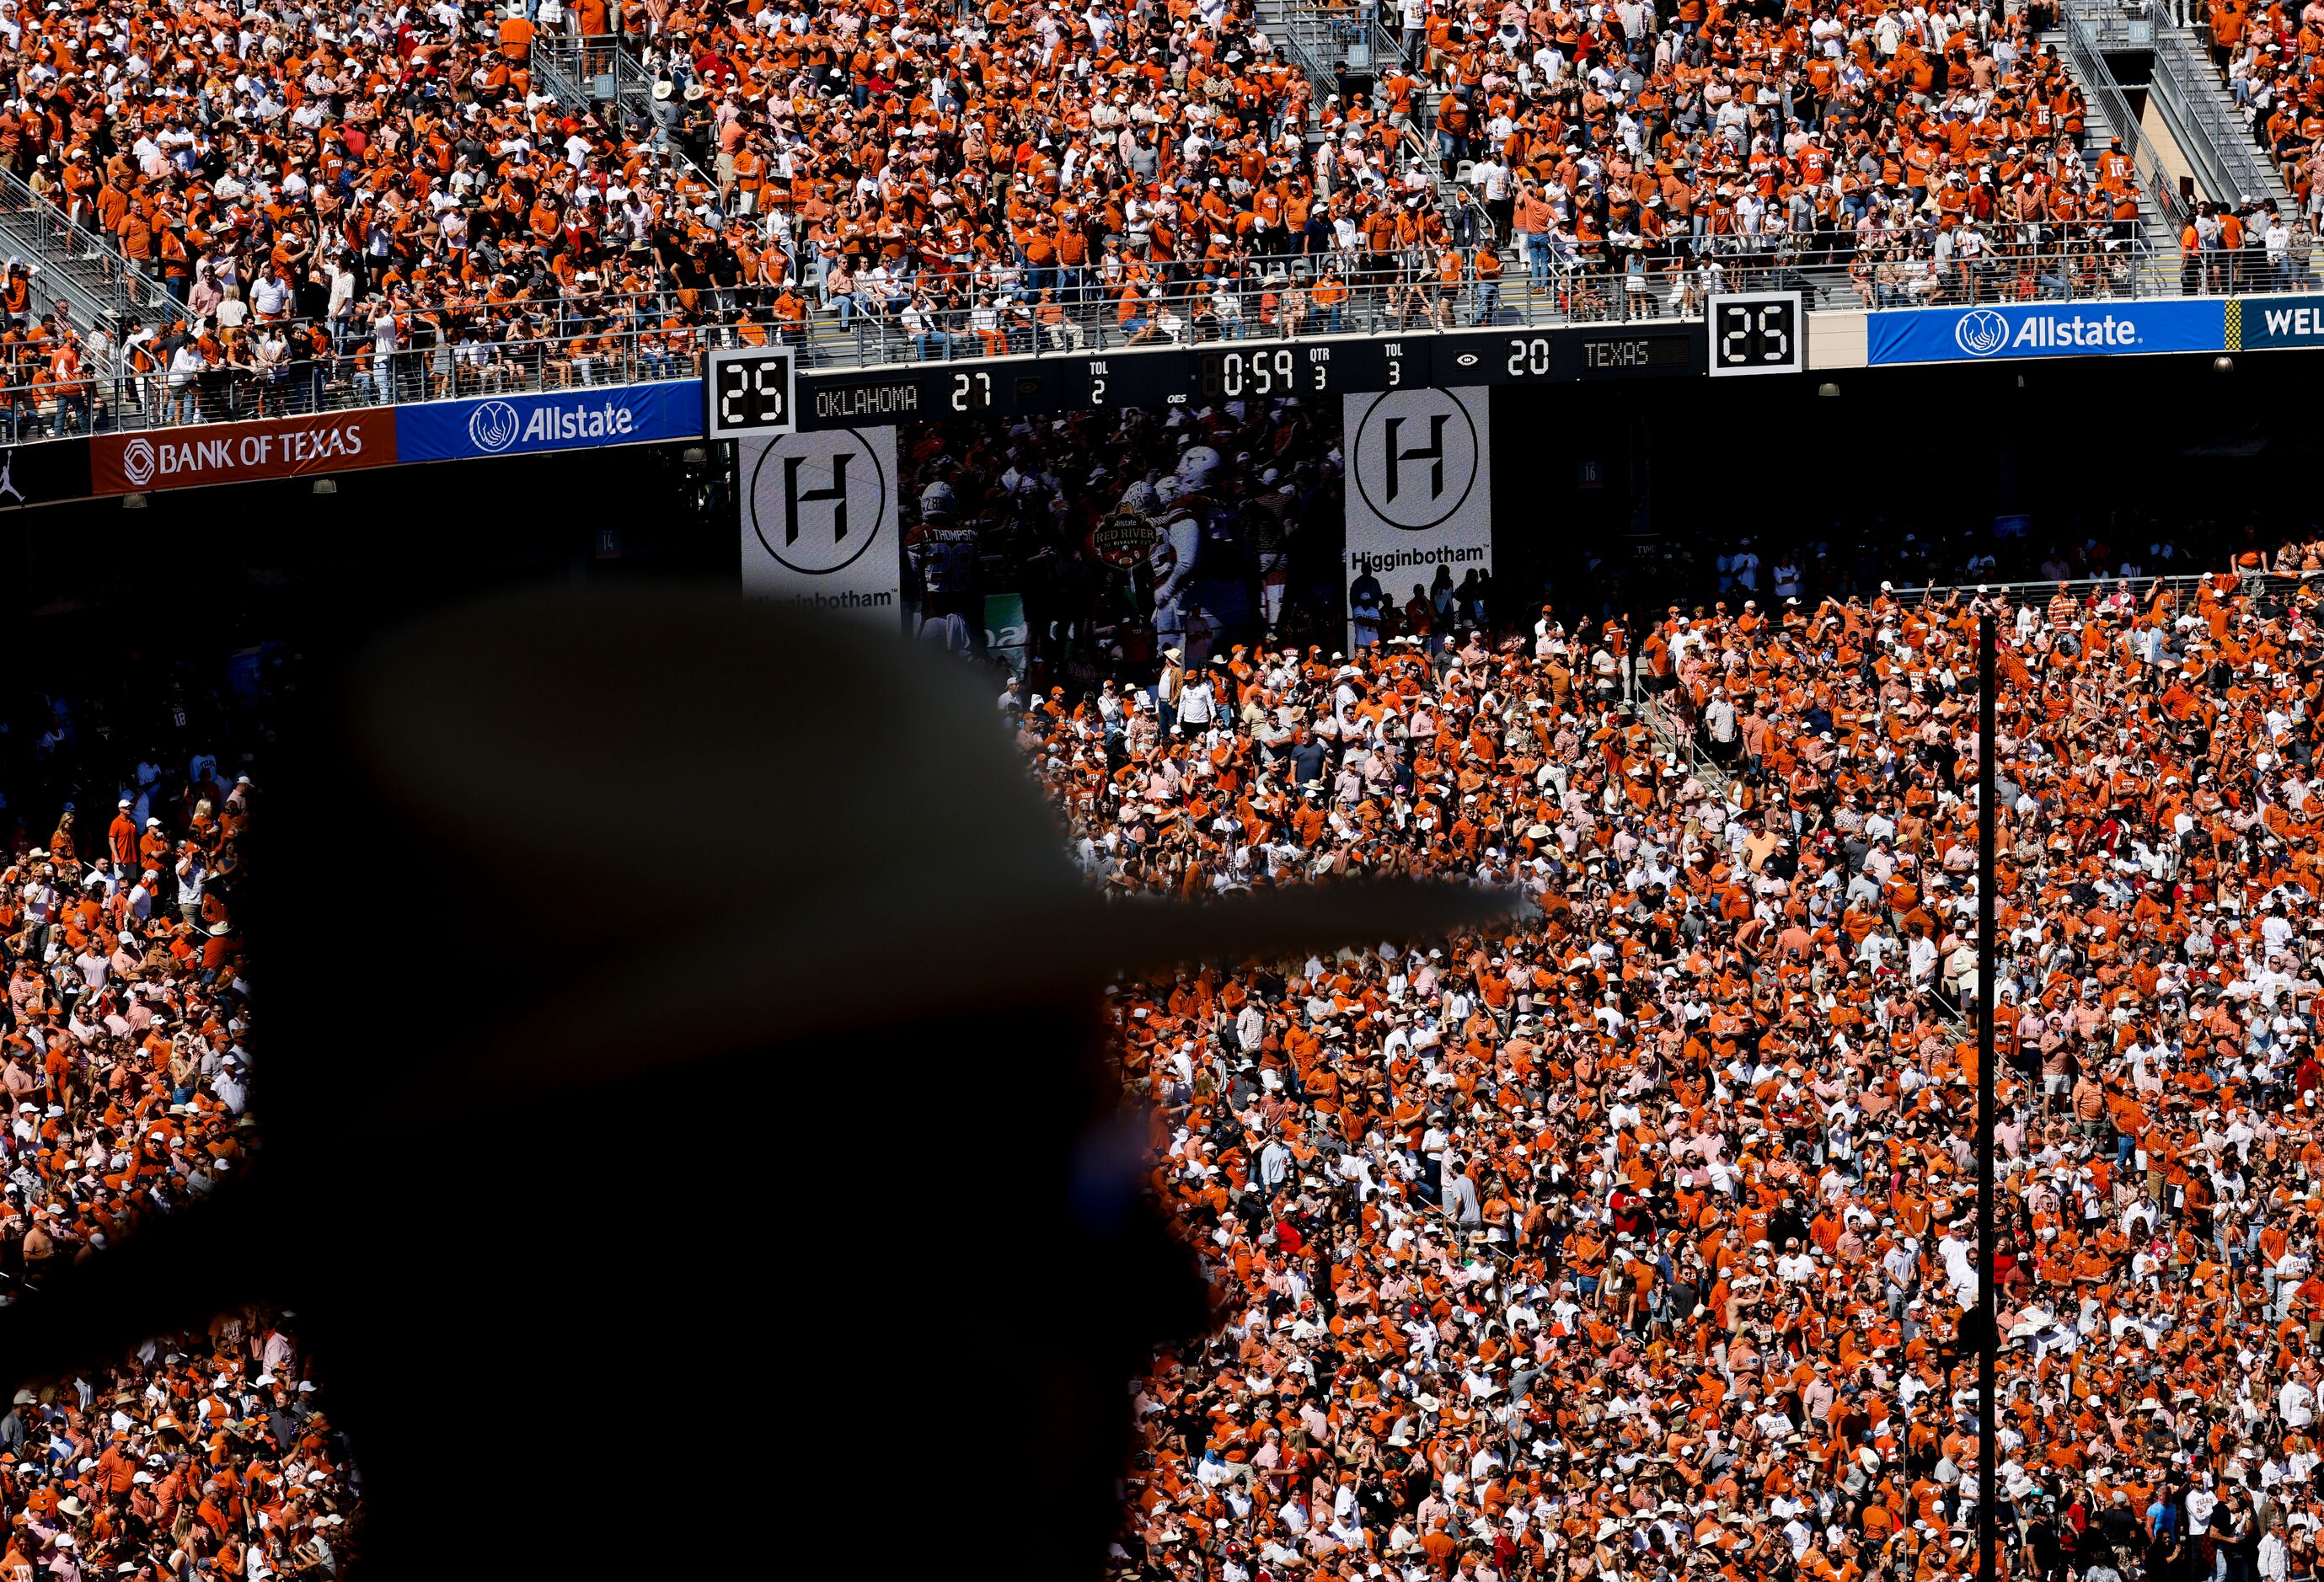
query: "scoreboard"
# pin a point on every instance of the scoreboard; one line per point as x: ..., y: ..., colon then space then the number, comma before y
x: 1760, y: 332
x: 1311, y: 368
x: 750, y: 390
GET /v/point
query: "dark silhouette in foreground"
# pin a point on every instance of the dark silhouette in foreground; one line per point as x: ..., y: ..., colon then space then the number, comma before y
x: 721, y: 1168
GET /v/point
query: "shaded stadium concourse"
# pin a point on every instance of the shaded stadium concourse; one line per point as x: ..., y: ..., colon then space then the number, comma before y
x: 1608, y: 497
x: 1626, y: 494
x: 386, y: 540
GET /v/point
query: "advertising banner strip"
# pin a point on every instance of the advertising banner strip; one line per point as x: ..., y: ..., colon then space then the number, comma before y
x: 2260, y: 324
x: 567, y: 419
x: 2046, y: 330
x: 203, y: 454
x: 1419, y: 495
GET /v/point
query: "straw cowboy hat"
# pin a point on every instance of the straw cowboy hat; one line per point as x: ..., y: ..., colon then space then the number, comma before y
x: 824, y: 797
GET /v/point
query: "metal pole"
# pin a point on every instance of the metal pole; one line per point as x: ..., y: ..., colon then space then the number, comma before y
x: 1988, y: 1339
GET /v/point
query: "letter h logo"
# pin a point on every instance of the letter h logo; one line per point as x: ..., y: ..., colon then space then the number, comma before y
x: 794, y: 497
x: 1432, y: 452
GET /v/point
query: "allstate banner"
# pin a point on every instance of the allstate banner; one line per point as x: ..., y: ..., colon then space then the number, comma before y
x: 565, y: 419
x: 2046, y: 330
x: 820, y: 525
x: 1420, y: 487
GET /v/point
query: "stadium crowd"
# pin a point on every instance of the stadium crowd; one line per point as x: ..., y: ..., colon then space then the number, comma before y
x: 344, y: 204
x: 2268, y: 54
x: 1628, y: 1238
x: 124, y: 1051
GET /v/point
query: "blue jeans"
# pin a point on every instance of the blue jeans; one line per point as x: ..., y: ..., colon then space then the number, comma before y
x: 1489, y: 301
x: 935, y: 346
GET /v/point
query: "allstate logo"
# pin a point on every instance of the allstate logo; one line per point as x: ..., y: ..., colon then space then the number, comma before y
x: 1982, y: 331
x: 493, y: 427
x: 137, y: 462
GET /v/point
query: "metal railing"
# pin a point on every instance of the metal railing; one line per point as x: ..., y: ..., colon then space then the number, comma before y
x: 118, y: 399
x: 1324, y: 41
x: 576, y: 66
x: 2111, y: 24
x: 1320, y: 40
x: 576, y: 61
x: 556, y: 69
x: 77, y: 261
x: 1387, y: 296
x: 2187, y: 91
x: 1461, y: 206
x: 632, y: 81
x: 1317, y: 52
x: 600, y: 69
x: 1387, y: 293
x: 2040, y: 590
x: 1373, y: 304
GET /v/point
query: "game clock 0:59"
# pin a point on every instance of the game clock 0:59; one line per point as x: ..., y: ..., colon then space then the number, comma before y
x: 753, y: 390
x: 1758, y: 332
x: 1261, y: 372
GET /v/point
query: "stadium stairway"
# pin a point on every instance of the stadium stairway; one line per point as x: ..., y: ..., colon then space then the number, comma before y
x: 2082, y: 44
x: 2202, y: 118
x: 68, y: 261
x: 607, y: 78
x: 1332, y: 47
x: 560, y: 74
x: 1273, y: 17
x: 1674, y: 734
